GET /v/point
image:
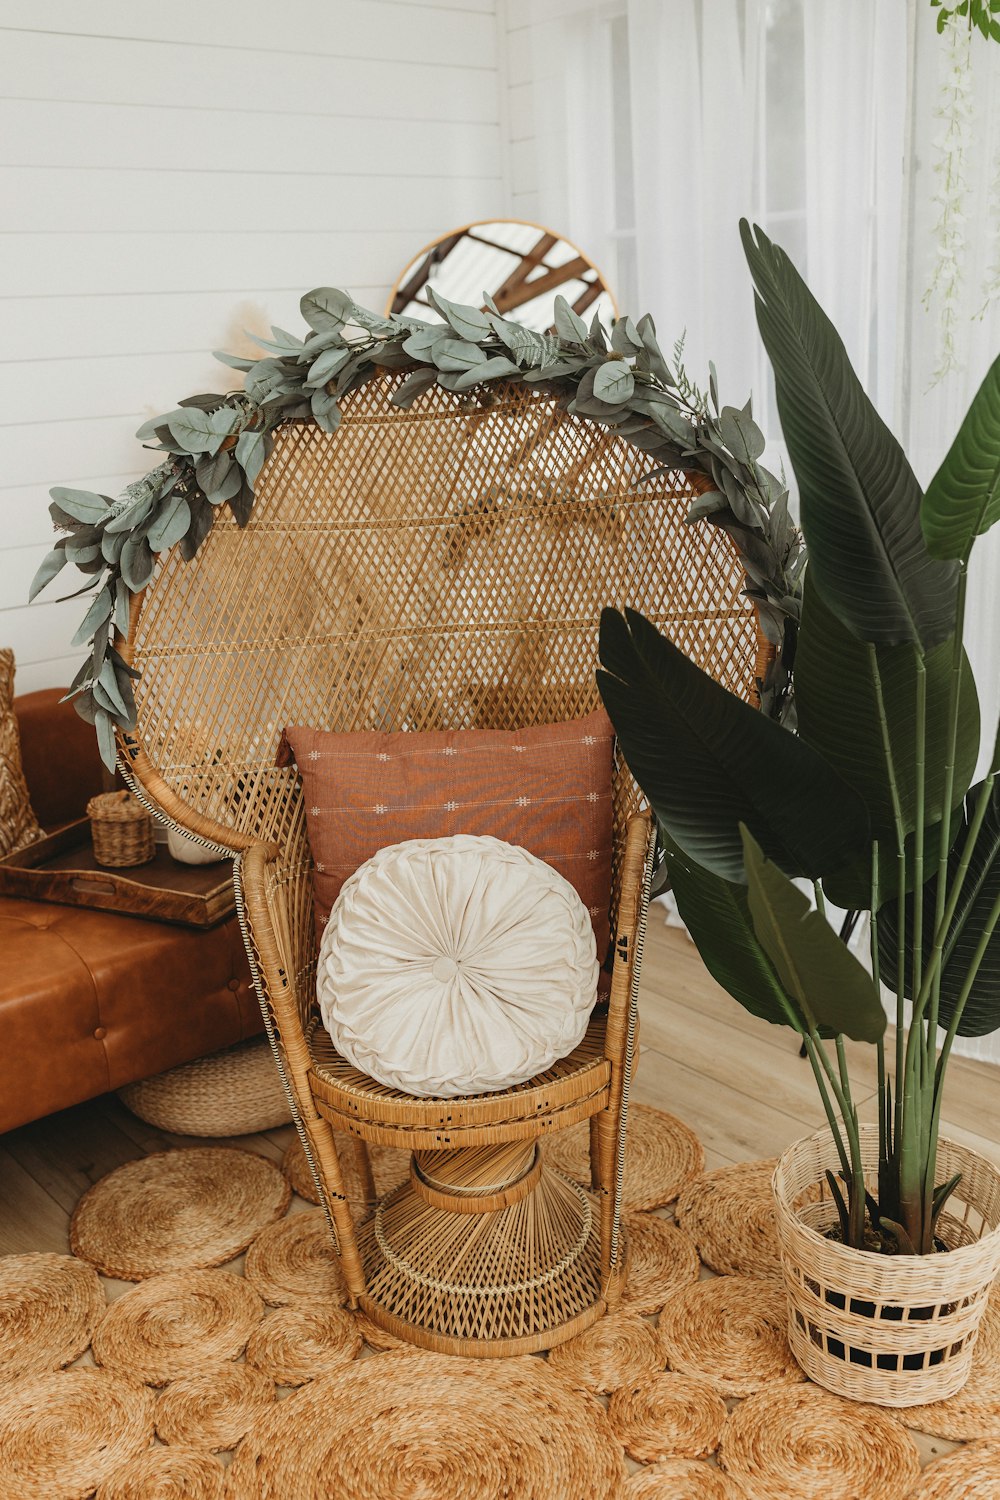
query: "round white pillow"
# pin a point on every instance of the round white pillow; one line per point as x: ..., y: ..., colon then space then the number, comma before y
x: 456, y: 966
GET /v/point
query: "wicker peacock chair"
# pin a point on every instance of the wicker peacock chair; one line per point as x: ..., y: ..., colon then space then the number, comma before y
x: 437, y: 568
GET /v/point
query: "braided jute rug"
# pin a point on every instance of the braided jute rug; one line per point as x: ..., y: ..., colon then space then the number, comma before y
x: 667, y: 1416
x: 177, y: 1210
x: 214, y: 1408
x: 973, y: 1473
x: 63, y: 1434
x: 730, y: 1333
x: 802, y: 1443
x: 197, y: 1353
x: 730, y: 1216
x: 663, y: 1156
x: 49, y: 1308
x: 433, y: 1425
x: 682, y: 1479
x: 167, y: 1474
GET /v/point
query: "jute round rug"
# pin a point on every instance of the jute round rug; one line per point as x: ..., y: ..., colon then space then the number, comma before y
x: 49, y: 1308
x: 661, y: 1259
x: 731, y: 1333
x: 616, y: 1350
x: 436, y: 1426
x: 667, y: 1416
x: 682, y: 1479
x: 296, y: 1258
x: 63, y: 1434
x: 663, y: 1156
x: 973, y: 1473
x: 802, y: 1443
x: 176, y: 1324
x: 214, y: 1408
x: 167, y: 1474
x: 730, y: 1216
x: 176, y: 1210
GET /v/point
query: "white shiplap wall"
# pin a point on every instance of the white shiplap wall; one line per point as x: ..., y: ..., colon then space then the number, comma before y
x: 173, y: 172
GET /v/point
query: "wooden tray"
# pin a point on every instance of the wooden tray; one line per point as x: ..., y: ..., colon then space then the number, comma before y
x: 62, y: 868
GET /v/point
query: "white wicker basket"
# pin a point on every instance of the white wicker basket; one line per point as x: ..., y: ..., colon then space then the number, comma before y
x: 894, y: 1330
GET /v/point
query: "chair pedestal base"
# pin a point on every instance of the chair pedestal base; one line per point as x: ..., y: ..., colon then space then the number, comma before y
x: 484, y: 1251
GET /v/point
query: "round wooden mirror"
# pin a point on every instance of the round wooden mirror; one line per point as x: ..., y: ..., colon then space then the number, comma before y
x: 523, y: 267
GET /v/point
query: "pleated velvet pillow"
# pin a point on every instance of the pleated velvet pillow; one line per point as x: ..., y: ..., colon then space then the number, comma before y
x: 546, y: 789
x: 456, y: 966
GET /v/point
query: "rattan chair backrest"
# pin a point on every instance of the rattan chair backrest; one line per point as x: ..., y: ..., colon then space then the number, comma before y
x: 441, y: 567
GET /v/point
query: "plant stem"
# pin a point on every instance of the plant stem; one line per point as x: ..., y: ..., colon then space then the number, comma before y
x: 897, y: 816
x: 884, y: 1143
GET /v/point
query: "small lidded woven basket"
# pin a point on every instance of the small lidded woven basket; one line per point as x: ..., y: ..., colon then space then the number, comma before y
x: 122, y: 830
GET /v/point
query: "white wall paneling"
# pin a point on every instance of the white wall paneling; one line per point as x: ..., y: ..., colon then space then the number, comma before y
x: 171, y: 175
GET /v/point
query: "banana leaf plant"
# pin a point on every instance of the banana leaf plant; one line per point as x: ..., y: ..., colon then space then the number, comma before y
x: 868, y: 804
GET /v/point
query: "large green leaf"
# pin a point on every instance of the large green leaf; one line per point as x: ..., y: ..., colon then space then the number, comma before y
x: 717, y: 915
x: 979, y: 892
x: 860, y: 501
x: 830, y: 986
x: 963, y: 499
x: 851, y: 886
x: 708, y: 762
x: 836, y: 691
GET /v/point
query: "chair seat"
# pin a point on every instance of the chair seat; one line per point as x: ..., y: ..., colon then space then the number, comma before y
x: 572, y: 1089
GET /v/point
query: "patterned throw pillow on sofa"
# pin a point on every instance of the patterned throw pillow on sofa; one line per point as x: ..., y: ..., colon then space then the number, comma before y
x: 18, y: 824
x: 546, y: 789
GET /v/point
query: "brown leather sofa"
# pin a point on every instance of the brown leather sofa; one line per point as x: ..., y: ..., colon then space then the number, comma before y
x: 91, y: 1000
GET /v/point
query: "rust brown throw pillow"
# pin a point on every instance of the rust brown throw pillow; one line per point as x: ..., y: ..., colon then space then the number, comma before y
x: 546, y: 788
x: 18, y: 824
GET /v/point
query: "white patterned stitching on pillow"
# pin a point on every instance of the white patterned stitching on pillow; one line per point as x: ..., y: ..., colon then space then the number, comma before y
x: 456, y: 966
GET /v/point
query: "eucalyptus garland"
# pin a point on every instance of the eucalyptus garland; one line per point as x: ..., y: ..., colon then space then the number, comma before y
x: 216, y: 444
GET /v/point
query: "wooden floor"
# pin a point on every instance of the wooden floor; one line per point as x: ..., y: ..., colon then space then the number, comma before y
x: 738, y: 1082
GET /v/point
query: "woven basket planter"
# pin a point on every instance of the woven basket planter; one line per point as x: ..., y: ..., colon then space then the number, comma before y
x: 894, y: 1330
x: 122, y: 830
x: 234, y: 1092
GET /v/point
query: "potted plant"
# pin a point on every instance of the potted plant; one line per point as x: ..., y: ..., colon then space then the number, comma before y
x: 890, y: 1236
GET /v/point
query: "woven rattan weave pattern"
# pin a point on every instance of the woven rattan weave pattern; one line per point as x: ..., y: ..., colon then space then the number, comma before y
x: 295, y: 1258
x: 729, y: 1214
x: 173, y: 1325
x: 436, y: 568
x: 213, y: 1408
x: 971, y: 1474
x: 661, y: 1259
x: 729, y: 1332
x: 682, y: 1479
x: 167, y: 1474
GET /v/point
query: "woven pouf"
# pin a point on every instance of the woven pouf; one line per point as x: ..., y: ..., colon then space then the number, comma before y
x: 667, y: 1416
x: 63, y: 1434
x: 214, y: 1408
x: 49, y: 1308
x: 237, y: 1091
x: 435, y: 1426
x: 177, y: 1209
x: 661, y: 1259
x: 974, y: 1411
x: 617, y: 1350
x: 802, y: 1443
x: 662, y: 1155
x: 167, y: 1474
x: 297, y: 1343
x: 730, y: 1216
x: 730, y: 1332
x: 174, y: 1325
x: 972, y: 1473
x: 682, y: 1479
x: 390, y: 1167
x: 296, y: 1258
